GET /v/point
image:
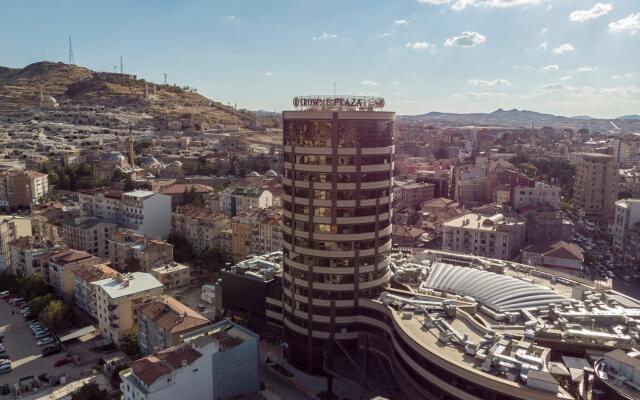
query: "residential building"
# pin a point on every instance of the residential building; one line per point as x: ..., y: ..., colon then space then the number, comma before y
x: 101, y: 203
x: 256, y: 231
x: 438, y: 210
x: 62, y: 266
x: 406, y: 236
x: 238, y: 200
x: 558, y: 254
x: 200, y: 227
x: 252, y: 293
x: 413, y: 194
x: 46, y: 219
x: 11, y: 228
x: 220, y: 361
x: 149, y: 252
x: 161, y: 323
x: 540, y: 194
x: 544, y: 225
x: 90, y: 234
x: 85, y: 292
x: 596, y: 185
x: 485, y: 232
x: 173, y: 275
x: 28, y: 255
x: 147, y: 212
x: 117, y: 299
x: 338, y: 163
x: 625, y: 245
x: 178, y: 191
x: 19, y: 188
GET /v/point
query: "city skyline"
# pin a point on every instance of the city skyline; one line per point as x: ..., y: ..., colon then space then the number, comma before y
x: 562, y: 57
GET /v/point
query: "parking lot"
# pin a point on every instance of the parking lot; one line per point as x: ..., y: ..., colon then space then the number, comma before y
x: 25, y: 355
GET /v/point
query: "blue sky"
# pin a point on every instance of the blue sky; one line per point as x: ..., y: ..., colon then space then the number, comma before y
x: 569, y: 57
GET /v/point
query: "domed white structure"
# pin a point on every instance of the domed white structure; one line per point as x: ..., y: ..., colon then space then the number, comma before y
x: 113, y: 156
x: 253, y: 174
x: 271, y: 174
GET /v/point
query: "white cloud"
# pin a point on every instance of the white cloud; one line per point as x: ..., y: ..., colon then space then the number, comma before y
x: 553, y: 86
x: 551, y: 68
x: 622, y: 76
x: 419, y: 45
x: 325, y: 36
x: 386, y: 34
x: 232, y: 18
x: 565, y: 78
x: 396, y: 83
x: 460, y: 5
x: 596, y: 11
x: 435, y: 2
x: 481, y: 95
x: 269, y: 74
x: 401, y: 22
x: 466, y: 39
x: 564, y: 48
x: 587, y: 68
x: 495, y: 82
x: 543, y: 31
x: 630, y: 23
x: 613, y: 93
x: 543, y: 46
x: 370, y: 83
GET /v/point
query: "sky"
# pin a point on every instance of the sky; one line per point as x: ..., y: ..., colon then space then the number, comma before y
x: 566, y: 57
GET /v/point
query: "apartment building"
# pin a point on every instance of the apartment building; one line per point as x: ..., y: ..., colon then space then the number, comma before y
x: 256, y: 231
x: 413, y: 194
x: 200, y: 227
x: 147, y: 212
x: 149, y: 252
x: 28, y: 255
x: 90, y: 234
x: 220, y: 361
x: 117, y: 299
x: 163, y: 321
x: 85, y: 292
x: 625, y: 229
x: 540, y: 194
x: 484, y: 233
x: 238, y: 200
x: 11, y: 228
x: 20, y: 188
x: 596, y: 185
x: 173, y: 275
x: 556, y: 254
x: 62, y: 266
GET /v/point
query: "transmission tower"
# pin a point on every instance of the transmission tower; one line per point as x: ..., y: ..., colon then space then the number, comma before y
x: 165, y: 78
x: 121, y: 68
x: 71, y: 60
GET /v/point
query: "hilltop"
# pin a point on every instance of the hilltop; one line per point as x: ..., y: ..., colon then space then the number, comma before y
x: 172, y: 106
x: 524, y: 118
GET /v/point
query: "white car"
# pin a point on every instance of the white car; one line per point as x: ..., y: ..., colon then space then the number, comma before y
x: 44, y: 341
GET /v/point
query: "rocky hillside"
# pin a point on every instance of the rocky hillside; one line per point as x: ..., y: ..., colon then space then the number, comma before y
x: 172, y: 106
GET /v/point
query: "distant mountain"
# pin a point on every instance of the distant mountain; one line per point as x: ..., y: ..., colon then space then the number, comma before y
x: 20, y: 88
x: 524, y: 119
x: 629, y: 117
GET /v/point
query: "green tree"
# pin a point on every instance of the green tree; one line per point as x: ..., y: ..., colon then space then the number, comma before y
x: 46, y: 167
x: 38, y: 304
x: 182, y: 249
x: 53, y: 315
x: 441, y: 153
x: 129, y: 343
x: 54, y: 179
x: 90, y: 391
x: 211, y: 260
x: 132, y: 263
x: 8, y: 281
x: 32, y: 285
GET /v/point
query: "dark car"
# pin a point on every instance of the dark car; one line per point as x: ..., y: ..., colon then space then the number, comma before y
x: 50, y: 350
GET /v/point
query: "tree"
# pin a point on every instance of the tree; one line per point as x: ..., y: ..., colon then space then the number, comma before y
x: 8, y: 281
x: 211, y: 260
x: 90, y: 391
x: 132, y: 263
x: 31, y: 285
x: 441, y: 153
x: 129, y: 343
x: 182, y: 249
x: 38, y: 304
x: 53, y: 315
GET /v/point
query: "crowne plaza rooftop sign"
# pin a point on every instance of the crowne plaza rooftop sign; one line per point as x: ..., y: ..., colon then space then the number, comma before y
x: 344, y: 103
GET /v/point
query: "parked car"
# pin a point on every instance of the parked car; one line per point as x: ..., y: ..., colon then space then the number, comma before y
x: 63, y: 361
x: 626, y: 278
x: 37, y: 331
x: 4, y: 356
x: 5, y: 368
x: 4, y: 294
x: 45, y: 341
x: 50, y: 350
x: 41, y: 335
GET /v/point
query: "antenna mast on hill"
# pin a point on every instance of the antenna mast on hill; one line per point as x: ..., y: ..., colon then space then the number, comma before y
x: 71, y: 60
x: 165, y: 78
x: 121, y: 68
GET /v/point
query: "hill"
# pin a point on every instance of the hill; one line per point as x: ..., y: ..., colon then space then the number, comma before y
x: 523, y: 118
x: 71, y: 84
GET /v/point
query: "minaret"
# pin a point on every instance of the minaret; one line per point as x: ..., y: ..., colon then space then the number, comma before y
x: 132, y: 154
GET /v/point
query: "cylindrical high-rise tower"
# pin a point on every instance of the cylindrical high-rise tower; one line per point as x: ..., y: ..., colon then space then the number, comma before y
x: 337, y: 178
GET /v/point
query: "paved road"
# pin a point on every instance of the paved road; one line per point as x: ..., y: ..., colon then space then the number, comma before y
x: 26, y: 357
